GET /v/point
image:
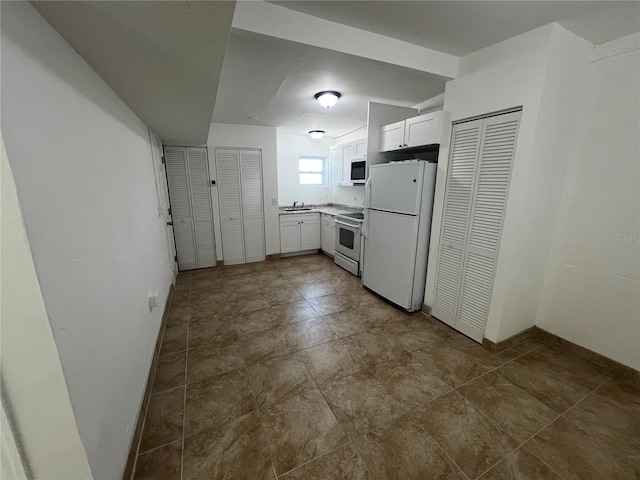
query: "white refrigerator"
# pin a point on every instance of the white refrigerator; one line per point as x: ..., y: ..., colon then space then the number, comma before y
x: 397, y: 227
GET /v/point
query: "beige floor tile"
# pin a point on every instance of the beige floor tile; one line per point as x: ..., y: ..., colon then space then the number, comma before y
x: 340, y: 463
x: 163, y: 423
x: 300, y: 429
x: 373, y: 347
x: 164, y: 462
x: 409, y: 381
x: 577, y: 455
x: 403, y: 450
x: 308, y: 333
x: 279, y: 378
x: 266, y: 345
x: 236, y: 450
x: 521, y: 465
x: 515, y: 411
x: 213, y: 360
x: 216, y: 401
x: 361, y: 403
x: 330, y: 361
x: 473, y: 441
x: 170, y: 372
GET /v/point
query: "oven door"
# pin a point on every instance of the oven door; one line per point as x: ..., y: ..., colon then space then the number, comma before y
x: 348, y: 238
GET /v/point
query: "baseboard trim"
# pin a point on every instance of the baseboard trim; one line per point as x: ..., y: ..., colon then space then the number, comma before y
x: 135, y: 441
x: 495, y: 347
x: 426, y: 309
x: 598, y: 361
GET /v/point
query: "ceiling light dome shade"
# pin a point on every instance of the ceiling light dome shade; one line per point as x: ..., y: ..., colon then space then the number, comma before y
x: 316, y: 134
x: 327, y: 98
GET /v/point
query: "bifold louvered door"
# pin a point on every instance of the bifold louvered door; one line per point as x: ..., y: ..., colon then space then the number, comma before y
x: 478, y: 178
x: 190, y: 197
x: 239, y: 176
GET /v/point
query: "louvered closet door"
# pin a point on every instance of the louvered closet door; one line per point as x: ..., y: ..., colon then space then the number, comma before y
x: 252, y: 206
x: 201, y: 204
x: 178, y: 180
x: 229, y: 198
x: 485, y: 226
x: 457, y: 207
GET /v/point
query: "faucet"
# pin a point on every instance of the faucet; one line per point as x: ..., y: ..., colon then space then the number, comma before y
x: 294, y: 203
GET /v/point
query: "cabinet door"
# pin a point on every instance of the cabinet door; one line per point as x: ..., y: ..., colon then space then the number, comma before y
x: 328, y: 235
x: 392, y: 137
x: 289, y: 237
x: 335, y: 165
x: 422, y: 130
x: 361, y: 148
x: 310, y: 234
x: 230, y: 201
x: 348, y: 152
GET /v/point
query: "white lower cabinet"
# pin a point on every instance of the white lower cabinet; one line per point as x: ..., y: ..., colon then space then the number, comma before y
x: 328, y: 234
x: 299, y: 232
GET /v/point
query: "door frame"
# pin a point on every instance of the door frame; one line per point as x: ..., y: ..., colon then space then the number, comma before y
x: 164, y: 203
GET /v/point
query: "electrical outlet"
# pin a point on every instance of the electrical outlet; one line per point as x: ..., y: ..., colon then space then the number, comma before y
x: 153, y: 300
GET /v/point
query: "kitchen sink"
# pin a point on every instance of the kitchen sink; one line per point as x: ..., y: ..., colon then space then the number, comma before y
x: 296, y: 209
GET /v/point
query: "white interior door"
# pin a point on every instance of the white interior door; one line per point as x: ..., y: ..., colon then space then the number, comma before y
x: 230, y: 201
x: 389, y: 255
x: 395, y: 187
x: 491, y: 190
x: 252, y: 205
x: 178, y: 179
x: 201, y: 203
x: 162, y: 190
x: 457, y: 207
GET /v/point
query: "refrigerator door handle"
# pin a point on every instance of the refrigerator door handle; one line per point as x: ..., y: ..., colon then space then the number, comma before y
x: 365, y: 223
x: 367, y: 193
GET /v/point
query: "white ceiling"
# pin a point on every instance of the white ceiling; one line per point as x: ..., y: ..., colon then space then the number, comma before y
x: 268, y: 76
x: 275, y: 80
x: 165, y: 58
x: 162, y: 58
x: 461, y: 27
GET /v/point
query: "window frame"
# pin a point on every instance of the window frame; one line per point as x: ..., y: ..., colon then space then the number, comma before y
x: 324, y: 171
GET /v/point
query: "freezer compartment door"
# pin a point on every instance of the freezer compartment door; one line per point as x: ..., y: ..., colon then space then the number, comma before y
x: 396, y: 187
x: 389, y: 255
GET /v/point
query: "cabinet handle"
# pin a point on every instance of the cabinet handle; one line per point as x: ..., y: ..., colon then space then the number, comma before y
x: 399, y: 146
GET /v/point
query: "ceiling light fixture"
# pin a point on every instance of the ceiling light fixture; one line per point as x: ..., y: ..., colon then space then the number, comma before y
x: 316, y: 134
x: 327, y: 98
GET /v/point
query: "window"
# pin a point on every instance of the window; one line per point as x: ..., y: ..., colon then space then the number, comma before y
x: 311, y: 170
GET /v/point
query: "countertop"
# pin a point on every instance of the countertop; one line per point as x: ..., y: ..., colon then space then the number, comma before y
x: 330, y: 209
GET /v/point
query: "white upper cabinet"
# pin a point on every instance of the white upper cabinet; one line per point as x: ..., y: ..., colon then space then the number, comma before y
x: 335, y: 165
x: 413, y: 132
x: 392, y: 136
x: 340, y: 157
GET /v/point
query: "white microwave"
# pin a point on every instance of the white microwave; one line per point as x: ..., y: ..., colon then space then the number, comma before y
x: 358, y: 170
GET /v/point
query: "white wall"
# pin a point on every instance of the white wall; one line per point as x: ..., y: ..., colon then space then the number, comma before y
x: 352, y: 196
x: 537, y: 189
x: 84, y: 176
x: 264, y: 138
x: 505, y: 75
x: 591, y: 291
x: 33, y: 385
x: 542, y: 71
x: 290, y: 149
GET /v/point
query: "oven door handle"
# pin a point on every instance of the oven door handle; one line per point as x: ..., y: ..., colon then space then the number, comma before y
x: 341, y: 222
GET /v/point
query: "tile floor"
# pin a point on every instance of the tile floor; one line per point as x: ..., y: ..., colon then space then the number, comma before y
x: 289, y: 369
